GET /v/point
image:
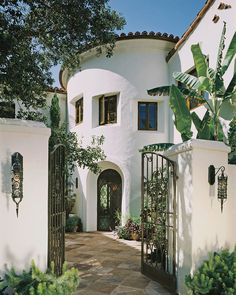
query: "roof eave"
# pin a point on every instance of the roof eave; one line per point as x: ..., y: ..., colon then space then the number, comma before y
x: 191, y: 28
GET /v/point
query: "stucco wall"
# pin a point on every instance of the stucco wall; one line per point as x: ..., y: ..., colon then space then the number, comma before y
x: 208, y: 34
x: 24, y: 238
x: 201, y: 227
x: 135, y: 65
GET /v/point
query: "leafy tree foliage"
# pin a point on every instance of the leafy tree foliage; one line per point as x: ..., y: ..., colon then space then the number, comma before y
x: 37, y: 34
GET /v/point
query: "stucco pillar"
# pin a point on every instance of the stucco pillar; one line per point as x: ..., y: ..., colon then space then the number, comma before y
x: 202, y: 228
x: 26, y: 237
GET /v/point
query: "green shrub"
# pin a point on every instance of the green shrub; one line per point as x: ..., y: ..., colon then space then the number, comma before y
x: 72, y: 223
x: 131, y: 226
x: 123, y: 233
x: 35, y: 282
x: 80, y: 225
x: 216, y: 276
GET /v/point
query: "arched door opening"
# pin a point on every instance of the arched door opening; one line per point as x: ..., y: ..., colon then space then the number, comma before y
x: 109, y: 199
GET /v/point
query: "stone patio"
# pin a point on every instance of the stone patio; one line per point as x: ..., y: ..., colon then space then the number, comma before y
x: 108, y: 265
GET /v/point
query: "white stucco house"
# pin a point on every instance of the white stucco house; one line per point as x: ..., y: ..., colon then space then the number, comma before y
x: 108, y: 96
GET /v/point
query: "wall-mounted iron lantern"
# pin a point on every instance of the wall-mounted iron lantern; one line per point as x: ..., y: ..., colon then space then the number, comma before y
x: 222, y: 182
x: 17, y: 179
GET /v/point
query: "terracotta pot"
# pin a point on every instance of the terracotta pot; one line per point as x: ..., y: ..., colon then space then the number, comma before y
x: 135, y: 236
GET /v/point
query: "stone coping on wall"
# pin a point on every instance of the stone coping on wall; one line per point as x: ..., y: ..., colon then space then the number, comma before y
x: 197, y: 144
x: 24, y: 126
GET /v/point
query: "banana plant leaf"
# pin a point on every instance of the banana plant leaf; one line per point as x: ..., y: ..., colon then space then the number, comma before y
x: 232, y: 156
x: 228, y: 109
x: 162, y: 90
x: 211, y: 73
x: 165, y: 90
x: 199, y: 60
x: 229, y: 54
x: 220, y: 52
x: 181, y: 112
x: 205, y: 84
x: 156, y: 147
x: 231, y: 89
x: 204, y: 126
x: 187, y: 79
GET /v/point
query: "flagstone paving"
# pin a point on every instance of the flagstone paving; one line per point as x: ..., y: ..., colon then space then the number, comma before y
x: 108, y: 265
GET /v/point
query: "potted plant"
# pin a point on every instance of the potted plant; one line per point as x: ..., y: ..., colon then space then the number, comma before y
x: 69, y: 203
x: 72, y: 223
x: 131, y: 230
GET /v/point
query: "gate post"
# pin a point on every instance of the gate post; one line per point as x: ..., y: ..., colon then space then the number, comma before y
x: 201, y: 227
x: 24, y: 238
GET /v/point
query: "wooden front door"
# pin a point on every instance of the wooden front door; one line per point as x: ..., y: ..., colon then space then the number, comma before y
x: 109, y: 199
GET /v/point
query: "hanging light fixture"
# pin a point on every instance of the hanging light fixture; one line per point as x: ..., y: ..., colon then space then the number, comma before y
x: 222, y: 183
x: 222, y: 187
x: 17, y: 179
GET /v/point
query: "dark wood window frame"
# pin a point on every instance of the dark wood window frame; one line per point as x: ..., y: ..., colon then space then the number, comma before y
x: 147, y: 116
x: 108, y: 109
x: 79, y: 110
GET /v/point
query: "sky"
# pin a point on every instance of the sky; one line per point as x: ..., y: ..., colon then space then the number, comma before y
x: 165, y: 16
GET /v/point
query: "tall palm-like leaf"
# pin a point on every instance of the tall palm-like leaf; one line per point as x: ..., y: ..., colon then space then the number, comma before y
x: 187, y: 79
x: 218, y: 86
x: 231, y: 89
x: 229, y: 54
x: 199, y: 61
x: 181, y: 112
x: 209, y: 86
x: 162, y: 90
x: 204, y: 126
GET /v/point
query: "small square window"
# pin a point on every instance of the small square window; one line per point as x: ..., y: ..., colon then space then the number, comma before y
x: 147, y: 116
x: 107, y: 110
x: 79, y: 111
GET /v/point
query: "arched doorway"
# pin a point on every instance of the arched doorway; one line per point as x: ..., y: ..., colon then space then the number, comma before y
x: 109, y: 199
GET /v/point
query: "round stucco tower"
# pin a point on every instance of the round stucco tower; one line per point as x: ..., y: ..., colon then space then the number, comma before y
x: 108, y: 96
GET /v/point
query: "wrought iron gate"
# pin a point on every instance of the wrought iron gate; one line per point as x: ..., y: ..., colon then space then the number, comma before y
x: 159, y: 219
x: 56, y: 208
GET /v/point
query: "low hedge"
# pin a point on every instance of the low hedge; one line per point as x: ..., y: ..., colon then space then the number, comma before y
x: 36, y: 282
x: 216, y: 276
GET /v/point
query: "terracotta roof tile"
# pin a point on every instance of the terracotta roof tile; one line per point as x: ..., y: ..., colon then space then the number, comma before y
x: 148, y: 35
x: 57, y: 90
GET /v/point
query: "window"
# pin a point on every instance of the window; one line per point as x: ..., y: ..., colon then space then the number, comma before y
x: 107, y: 110
x: 79, y: 111
x: 147, y: 116
x: 7, y: 110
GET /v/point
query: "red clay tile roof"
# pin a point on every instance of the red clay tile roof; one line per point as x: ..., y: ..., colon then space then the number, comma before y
x: 148, y: 35
x: 57, y: 90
